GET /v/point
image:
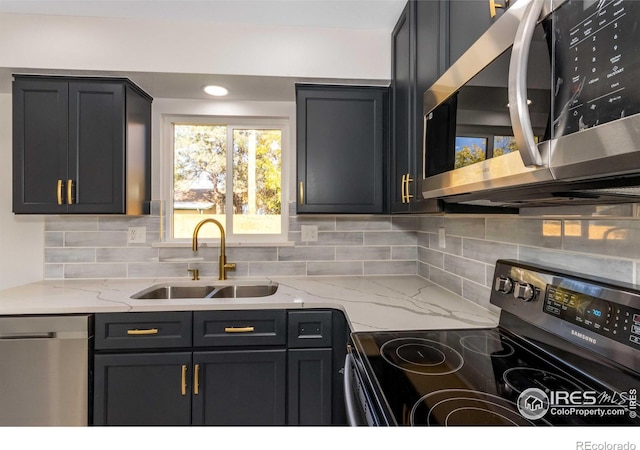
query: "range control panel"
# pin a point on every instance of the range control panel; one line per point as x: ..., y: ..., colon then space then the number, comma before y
x: 618, y: 322
x: 602, y: 315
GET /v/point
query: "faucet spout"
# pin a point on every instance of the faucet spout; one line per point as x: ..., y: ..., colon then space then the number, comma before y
x: 224, y: 266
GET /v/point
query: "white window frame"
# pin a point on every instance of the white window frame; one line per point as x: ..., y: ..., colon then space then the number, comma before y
x: 231, y: 122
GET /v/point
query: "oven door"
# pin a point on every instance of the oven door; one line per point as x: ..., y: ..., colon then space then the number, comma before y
x: 361, y: 410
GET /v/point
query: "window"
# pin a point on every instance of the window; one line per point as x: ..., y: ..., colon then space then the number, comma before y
x: 229, y: 170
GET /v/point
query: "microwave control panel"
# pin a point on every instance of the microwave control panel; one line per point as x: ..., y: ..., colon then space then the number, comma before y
x: 595, y: 61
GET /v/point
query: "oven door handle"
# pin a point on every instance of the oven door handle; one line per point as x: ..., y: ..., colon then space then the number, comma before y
x: 352, y: 416
x: 518, y: 106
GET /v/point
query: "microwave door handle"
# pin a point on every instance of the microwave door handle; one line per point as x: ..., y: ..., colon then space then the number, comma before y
x: 518, y: 108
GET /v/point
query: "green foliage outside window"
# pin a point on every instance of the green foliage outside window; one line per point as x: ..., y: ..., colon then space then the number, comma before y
x: 468, y: 155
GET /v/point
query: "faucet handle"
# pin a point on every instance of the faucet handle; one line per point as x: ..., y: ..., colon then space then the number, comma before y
x: 195, y: 274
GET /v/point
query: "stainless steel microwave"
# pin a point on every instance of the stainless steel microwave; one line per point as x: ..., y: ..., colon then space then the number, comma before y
x: 541, y: 110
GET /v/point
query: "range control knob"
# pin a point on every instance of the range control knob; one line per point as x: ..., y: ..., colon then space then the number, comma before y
x: 504, y: 285
x: 524, y: 291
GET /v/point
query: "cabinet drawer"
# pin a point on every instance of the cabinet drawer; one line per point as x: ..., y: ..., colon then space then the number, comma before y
x: 309, y: 329
x: 247, y: 327
x: 143, y: 330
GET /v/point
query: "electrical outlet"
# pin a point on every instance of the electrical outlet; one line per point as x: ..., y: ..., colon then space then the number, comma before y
x: 137, y: 235
x: 442, y: 242
x: 309, y: 233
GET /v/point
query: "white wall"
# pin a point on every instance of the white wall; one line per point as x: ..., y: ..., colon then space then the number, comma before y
x: 82, y: 43
x: 21, y: 237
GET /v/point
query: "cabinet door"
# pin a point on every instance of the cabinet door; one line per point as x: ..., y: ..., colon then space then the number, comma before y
x: 142, y: 389
x: 340, y: 148
x: 417, y: 61
x: 430, y: 64
x: 309, y: 387
x: 39, y: 146
x: 402, y: 58
x: 97, y: 147
x: 245, y: 387
x: 468, y: 19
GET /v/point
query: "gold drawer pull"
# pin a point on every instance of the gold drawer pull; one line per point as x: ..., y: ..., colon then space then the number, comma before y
x: 59, y: 191
x: 69, y: 192
x: 238, y: 329
x: 143, y: 332
x: 183, y: 387
x: 301, y: 193
x: 196, y: 379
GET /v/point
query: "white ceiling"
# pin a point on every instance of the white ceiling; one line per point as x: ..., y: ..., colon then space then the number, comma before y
x: 363, y: 14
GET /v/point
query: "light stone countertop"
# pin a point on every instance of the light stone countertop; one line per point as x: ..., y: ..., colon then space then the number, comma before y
x: 369, y: 302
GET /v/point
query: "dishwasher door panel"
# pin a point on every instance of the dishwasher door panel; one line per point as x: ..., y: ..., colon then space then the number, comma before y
x: 44, y: 371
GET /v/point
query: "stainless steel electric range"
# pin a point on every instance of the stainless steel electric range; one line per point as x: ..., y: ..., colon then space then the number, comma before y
x: 566, y: 352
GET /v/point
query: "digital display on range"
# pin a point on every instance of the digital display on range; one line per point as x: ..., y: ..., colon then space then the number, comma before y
x: 617, y: 322
x: 595, y: 59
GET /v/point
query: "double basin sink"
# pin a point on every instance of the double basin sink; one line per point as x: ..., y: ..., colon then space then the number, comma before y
x: 172, y: 291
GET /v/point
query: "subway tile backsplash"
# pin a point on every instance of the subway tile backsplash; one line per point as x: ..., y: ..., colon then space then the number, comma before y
x: 96, y: 247
x: 77, y: 247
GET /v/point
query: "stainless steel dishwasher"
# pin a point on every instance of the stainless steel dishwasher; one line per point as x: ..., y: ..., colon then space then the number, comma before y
x: 44, y: 370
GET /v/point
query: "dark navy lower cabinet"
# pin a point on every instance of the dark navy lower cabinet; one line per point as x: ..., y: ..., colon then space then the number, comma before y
x: 162, y: 368
x: 309, y: 386
x: 142, y: 389
x: 316, y: 350
x: 240, y: 387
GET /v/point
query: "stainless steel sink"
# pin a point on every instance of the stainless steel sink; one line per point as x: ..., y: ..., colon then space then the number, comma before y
x: 167, y: 291
x: 245, y: 291
x: 171, y: 291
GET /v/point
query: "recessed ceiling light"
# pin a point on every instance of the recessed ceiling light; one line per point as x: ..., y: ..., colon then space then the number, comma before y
x: 217, y: 91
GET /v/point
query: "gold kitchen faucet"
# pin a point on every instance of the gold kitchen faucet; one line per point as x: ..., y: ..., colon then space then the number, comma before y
x: 224, y: 266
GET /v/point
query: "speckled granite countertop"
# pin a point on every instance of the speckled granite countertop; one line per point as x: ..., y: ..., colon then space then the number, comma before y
x: 369, y: 302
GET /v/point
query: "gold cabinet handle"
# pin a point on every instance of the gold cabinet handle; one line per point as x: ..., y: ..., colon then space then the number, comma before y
x: 183, y: 386
x: 407, y: 181
x: 301, y: 188
x: 493, y: 5
x: 59, y: 191
x: 143, y: 332
x: 238, y: 329
x: 196, y: 379
x: 69, y: 192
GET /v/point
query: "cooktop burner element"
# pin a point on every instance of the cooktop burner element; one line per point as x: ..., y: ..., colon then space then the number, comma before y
x: 462, y: 407
x: 566, y: 354
x: 421, y: 356
x: 487, y: 345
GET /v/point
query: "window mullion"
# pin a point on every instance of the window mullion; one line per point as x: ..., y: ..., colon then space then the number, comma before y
x: 228, y: 206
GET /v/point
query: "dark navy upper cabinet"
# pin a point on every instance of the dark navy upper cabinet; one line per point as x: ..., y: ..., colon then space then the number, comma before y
x: 341, y: 146
x: 80, y: 145
x: 468, y: 20
x: 418, y: 58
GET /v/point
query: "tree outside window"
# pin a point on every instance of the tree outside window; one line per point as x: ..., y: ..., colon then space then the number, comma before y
x: 211, y: 160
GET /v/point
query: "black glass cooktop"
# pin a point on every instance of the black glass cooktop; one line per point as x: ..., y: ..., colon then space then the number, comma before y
x: 478, y: 377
